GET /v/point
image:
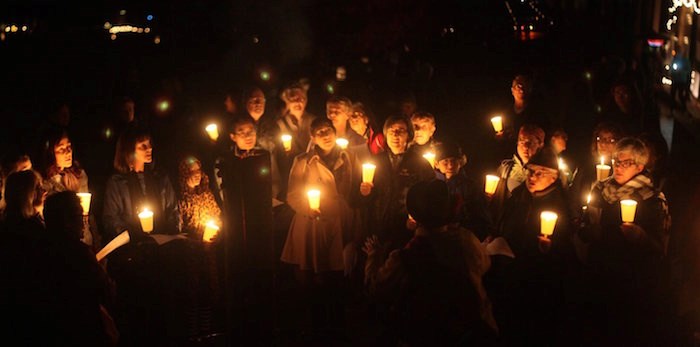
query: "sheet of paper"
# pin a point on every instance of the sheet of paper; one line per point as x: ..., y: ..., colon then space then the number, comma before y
x: 499, y: 246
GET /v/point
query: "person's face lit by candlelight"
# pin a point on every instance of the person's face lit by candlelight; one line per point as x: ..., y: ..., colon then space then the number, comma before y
x: 195, y: 175
x: 397, y: 137
x: 63, y: 152
x: 625, y: 167
x: 423, y: 129
x: 324, y: 138
x: 338, y: 113
x: 255, y: 104
x: 143, y: 153
x: 359, y: 122
x: 24, y: 165
x: 605, y: 143
x: 449, y: 166
x: 528, y: 147
x: 539, y: 178
x: 296, y: 102
x: 245, y: 136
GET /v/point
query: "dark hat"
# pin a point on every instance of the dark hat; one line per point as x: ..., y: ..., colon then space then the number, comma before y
x: 320, y: 122
x: 546, y: 158
x: 447, y: 150
x: 428, y: 202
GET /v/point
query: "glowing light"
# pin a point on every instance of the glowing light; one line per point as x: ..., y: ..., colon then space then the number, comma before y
x: 122, y: 12
x: 107, y: 25
x: 108, y: 133
x: 667, y: 67
x: 163, y: 105
x: 655, y: 43
x: 340, y: 73
x: 256, y: 39
x: 147, y: 30
x: 666, y: 81
x: 149, y: 17
x: 113, y: 37
x: 156, y: 40
x: 7, y: 29
x: 364, y: 60
x: 264, y: 75
x: 675, y: 66
x: 14, y: 28
x: 24, y: 28
x: 330, y: 89
x: 691, y: 4
x: 587, y: 75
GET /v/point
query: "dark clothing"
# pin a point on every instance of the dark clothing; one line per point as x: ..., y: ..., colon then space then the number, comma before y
x: 469, y: 206
x: 128, y: 194
x: 394, y: 175
x: 301, y: 137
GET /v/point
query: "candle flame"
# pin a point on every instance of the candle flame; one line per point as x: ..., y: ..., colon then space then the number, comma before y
x: 588, y: 199
x: 602, y: 160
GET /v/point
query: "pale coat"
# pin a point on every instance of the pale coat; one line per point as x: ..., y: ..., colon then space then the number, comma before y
x: 317, y: 243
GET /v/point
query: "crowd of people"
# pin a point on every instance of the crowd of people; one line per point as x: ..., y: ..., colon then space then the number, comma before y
x: 398, y: 223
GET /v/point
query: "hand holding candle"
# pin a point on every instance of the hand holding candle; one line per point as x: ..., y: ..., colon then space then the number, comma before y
x: 210, y: 231
x: 287, y: 142
x: 497, y: 123
x: 628, y: 208
x: 85, y: 202
x: 548, y: 220
x: 368, y: 172
x: 491, y: 184
x: 602, y: 171
x: 146, y: 217
x: 213, y: 131
x: 314, y: 199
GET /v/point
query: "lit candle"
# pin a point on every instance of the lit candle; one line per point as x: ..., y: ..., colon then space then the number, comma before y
x: 85, y: 202
x: 342, y: 143
x: 287, y: 142
x: 628, y: 208
x: 602, y: 171
x: 314, y: 199
x: 497, y: 123
x: 210, y: 231
x: 491, y: 184
x: 548, y: 220
x: 213, y: 131
x: 430, y: 157
x: 146, y: 217
x: 368, y: 172
x: 588, y: 201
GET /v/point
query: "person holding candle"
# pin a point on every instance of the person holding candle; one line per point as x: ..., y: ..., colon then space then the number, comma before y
x: 627, y: 260
x: 196, y: 201
x: 543, y: 265
x: 317, y: 237
x: 423, y: 142
x: 397, y: 170
x: 136, y: 185
x: 338, y: 110
x: 468, y: 204
x: 267, y: 131
x: 512, y: 172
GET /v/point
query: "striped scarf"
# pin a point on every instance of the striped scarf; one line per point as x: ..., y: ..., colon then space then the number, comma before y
x: 638, y: 188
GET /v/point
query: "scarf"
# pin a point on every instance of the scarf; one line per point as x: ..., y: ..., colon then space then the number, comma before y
x: 638, y: 188
x: 517, y: 174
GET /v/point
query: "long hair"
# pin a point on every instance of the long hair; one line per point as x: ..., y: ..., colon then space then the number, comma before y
x: 184, y: 174
x: 126, y: 146
x: 50, y: 167
x: 21, y: 194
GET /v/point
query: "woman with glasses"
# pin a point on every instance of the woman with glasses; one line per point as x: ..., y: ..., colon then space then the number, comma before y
x: 362, y: 122
x: 627, y: 260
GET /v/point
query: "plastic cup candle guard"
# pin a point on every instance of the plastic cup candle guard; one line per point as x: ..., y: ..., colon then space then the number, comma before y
x: 85, y: 202
x: 548, y: 220
x: 314, y: 199
x: 602, y: 171
x: 146, y: 217
x: 491, y: 184
x: 213, y: 131
x: 287, y: 142
x: 497, y: 123
x: 342, y: 143
x: 368, y: 172
x: 430, y: 157
x: 628, y: 208
x: 210, y: 230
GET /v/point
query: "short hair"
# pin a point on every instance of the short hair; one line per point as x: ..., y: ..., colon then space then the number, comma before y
x: 610, y: 127
x: 11, y: 159
x: 320, y: 122
x: 248, y: 93
x: 288, y: 91
x: 20, y: 193
x: 525, y: 79
x: 560, y: 133
x: 63, y: 214
x: 126, y: 145
x: 532, y: 130
x: 340, y: 100
x: 240, y: 120
x: 423, y: 116
x: 635, y: 147
x: 398, y: 119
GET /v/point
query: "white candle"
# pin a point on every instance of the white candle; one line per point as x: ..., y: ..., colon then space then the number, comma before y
x: 602, y: 171
x: 146, y: 217
x: 628, y: 208
x: 287, y: 142
x: 210, y: 231
x: 497, y: 123
x: 85, y: 202
x: 342, y: 143
x: 368, y: 172
x: 314, y: 199
x: 213, y: 131
x: 491, y: 184
x: 548, y: 220
x: 430, y: 157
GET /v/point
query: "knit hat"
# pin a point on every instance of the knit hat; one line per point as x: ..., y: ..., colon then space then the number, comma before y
x: 447, y: 150
x: 545, y: 158
x: 428, y: 202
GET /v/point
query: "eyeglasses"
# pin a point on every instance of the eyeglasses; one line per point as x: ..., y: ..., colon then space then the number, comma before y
x: 624, y: 163
x: 539, y: 173
x: 397, y: 131
x: 324, y: 132
x: 605, y: 140
x: 356, y: 115
x: 246, y: 134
